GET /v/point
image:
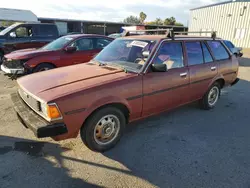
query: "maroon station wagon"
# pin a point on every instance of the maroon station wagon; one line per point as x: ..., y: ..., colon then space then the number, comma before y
x: 132, y: 78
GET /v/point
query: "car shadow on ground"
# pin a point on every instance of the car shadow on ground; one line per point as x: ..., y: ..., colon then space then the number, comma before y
x: 189, y: 147
x: 15, y: 172
x: 244, y: 62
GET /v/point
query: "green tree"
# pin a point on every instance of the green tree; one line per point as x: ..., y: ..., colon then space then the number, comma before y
x: 7, y: 23
x: 178, y: 24
x: 158, y: 21
x: 132, y: 20
x: 170, y: 21
x: 143, y: 17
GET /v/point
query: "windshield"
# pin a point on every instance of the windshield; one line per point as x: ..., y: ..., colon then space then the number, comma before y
x: 58, y: 43
x: 6, y: 30
x: 126, y: 53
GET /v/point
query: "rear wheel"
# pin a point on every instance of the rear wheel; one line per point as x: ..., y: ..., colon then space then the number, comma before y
x: 211, y: 97
x: 43, y: 67
x: 103, y: 129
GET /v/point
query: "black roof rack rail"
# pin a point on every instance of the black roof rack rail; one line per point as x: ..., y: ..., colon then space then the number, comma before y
x: 213, y: 33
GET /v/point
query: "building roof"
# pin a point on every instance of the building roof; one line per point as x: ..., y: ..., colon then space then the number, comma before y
x: 105, y: 22
x: 17, y: 15
x: 221, y: 3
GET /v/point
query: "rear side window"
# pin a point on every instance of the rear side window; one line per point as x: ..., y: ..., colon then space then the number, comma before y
x: 218, y: 50
x: 170, y: 53
x: 207, y: 56
x: 47, y: 31
x: 194, y: 53
x: 228, y: 44
x: 100, y: 43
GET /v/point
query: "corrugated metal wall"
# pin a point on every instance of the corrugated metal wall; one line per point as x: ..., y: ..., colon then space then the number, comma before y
x: 230, y: 20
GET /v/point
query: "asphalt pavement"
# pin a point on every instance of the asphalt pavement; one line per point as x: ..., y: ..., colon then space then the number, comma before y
x: 187, y: 147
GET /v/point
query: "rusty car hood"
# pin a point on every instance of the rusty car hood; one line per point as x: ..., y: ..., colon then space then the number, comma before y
x: 27, y: 53
x: 55, y: 83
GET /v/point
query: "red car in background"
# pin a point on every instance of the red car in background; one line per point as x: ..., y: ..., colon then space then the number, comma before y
x: 64, y: 51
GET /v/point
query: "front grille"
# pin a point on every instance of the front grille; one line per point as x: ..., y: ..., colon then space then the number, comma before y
x: 30, y: 101
x: 13, y: 64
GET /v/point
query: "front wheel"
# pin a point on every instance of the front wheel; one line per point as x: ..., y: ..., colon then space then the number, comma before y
x: 211, y: 97
x: 43, y: 67
x: 103, y: 129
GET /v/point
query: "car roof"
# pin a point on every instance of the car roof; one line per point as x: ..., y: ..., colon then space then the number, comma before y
x: 177, y: 37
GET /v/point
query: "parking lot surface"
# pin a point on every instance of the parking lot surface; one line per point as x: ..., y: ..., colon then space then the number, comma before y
x: 187, y: 147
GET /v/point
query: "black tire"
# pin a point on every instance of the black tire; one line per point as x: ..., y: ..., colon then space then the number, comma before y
x: 88, y: 129
x: 1, y: 57
x: 204, y: 102
x: 43, y: 67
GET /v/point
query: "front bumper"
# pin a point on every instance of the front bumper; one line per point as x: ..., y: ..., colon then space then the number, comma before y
x: 7, y: 70
x: 33, y: 121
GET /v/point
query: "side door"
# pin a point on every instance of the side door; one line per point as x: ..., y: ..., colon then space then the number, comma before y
x: 202, y: 68
x: 85, y: 51
x: 224, y: 60
x: 19, y: 38
x: 166, y: 90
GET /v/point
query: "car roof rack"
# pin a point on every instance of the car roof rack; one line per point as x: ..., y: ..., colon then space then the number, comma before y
x: 145, y: 32
x: 173, y: 33
x: 170, y: 33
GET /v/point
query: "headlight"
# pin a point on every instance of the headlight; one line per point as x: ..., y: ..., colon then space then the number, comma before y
x: 51, y: 111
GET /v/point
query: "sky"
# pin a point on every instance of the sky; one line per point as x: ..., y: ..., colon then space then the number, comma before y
x: 108, y: 10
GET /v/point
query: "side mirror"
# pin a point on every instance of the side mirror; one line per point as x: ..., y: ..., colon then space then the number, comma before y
x: 145, y: 54
x: 159, y: 68
x: 70, y: 49
x: 13, y: 34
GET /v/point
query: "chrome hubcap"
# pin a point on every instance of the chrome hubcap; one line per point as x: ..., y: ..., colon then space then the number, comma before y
x: 213, y: 96
x: 106, y: 130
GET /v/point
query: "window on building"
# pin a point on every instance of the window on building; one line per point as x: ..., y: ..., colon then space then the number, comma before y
x: 194, y: 53
x: 239, y: 33
x: 218, y: 50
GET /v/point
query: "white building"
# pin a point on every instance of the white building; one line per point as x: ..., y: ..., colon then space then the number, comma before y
x: 230, y: 19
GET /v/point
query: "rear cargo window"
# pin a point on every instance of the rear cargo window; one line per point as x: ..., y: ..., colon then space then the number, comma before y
x: 218, y: 50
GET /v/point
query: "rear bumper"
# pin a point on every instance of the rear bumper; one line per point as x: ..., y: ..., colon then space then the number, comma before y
x: 34, y: 122
x: 235, y: 81
x: 7, y: 70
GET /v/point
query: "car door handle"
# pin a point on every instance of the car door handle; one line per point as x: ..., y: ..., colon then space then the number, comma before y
x: 183, y: 74
x: 213, y: 68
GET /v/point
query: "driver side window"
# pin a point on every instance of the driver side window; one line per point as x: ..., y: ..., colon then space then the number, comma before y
x: 24, y: 32
x: 171, y: 54
x: 83, y: 44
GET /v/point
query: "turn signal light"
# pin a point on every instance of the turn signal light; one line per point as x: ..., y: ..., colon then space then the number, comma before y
x: 53, y: 112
